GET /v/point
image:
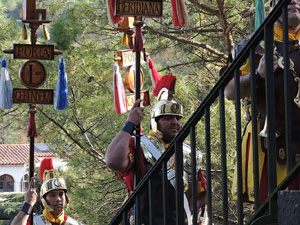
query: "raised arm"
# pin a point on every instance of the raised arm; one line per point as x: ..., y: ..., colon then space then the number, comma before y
x: 117, y: 152
x: 245, y: 81
x: 30, y: 199
x: 245, y: 87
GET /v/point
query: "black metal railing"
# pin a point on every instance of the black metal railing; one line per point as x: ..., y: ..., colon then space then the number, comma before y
x: 264, y: 213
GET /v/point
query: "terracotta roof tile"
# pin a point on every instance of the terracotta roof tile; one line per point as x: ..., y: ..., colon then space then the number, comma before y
x: 18, y: 154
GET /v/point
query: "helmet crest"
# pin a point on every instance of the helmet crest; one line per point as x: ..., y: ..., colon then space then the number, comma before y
x: 166, y: 83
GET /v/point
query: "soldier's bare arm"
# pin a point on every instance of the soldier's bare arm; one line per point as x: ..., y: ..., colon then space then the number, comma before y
x: 117, y: 152
x: 30, y: 198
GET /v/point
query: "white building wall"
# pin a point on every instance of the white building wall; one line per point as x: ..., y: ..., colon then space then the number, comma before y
x: 18, y: 171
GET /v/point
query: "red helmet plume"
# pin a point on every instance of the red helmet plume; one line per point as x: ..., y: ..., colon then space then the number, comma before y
x: 167, y: 81
x: 46, y: 164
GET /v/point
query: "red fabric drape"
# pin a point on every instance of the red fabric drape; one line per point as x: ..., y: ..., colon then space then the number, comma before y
x: 180, y: 16
x: 32, y: 132
x: 138, y: 47
x: 120, y: 101
x: 111, y: 5
x: 154, y: 75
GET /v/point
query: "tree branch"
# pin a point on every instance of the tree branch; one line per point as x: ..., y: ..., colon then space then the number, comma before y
x: 186, y: 41
x: 94, y: 154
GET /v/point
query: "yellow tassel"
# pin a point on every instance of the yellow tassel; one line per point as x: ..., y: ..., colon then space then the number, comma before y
x: 125, y: 40
x: 46, y: 33
x: 24, y: 32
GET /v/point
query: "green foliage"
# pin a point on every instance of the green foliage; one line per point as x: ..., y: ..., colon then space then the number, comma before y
x: 100, y: 195
x: 66, y: 29
x: 9, y: 209
x: 14, y: 201
x: 10, y: 30
x: 14, y: 197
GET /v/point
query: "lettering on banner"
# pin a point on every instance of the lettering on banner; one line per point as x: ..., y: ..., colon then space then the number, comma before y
x: 139, y: 8
x: 25, y: 51
x: 33, y: 96
x: 128, y: 58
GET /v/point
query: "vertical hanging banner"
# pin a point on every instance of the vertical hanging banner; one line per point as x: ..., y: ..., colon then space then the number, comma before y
x: 145, y: 8
x: 260, y: 13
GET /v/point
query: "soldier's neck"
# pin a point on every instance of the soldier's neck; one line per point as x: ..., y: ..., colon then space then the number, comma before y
x: 292, y: 30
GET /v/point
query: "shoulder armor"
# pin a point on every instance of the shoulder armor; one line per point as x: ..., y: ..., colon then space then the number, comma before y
x: 158, y: 146
x: 236, y: 50
x: 71, y: 221
x: 187, y: 162
x: 40, y: 220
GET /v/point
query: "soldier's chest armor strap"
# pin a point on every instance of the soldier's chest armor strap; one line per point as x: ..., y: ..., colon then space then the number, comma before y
x: 294, y: 53
x: 159, y: 146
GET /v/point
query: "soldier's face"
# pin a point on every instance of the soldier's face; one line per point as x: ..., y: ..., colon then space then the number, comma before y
x: 293, y: 13
x: 170, y: 126
x: 55, y: 200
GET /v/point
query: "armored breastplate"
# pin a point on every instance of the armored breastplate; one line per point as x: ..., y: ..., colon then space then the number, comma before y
x: 186, y: 158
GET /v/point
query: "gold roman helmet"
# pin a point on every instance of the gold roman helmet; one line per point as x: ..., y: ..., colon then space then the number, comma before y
x: 50, y: 182
x: 166, y: 105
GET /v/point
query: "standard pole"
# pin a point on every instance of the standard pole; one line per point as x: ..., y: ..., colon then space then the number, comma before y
x: 32, y: 109
x: 137, y: 84
x: 137, y: 23
x: 31, y: 168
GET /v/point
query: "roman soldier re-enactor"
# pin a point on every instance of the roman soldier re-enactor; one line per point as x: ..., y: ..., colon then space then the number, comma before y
x: 53, y: 196
x: 165, y: 124
x: 245, y: 83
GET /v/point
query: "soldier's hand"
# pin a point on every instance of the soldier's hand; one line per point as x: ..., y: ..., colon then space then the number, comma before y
x: 31, y: 195
x: 136, y: 114
x: 262, y: 65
